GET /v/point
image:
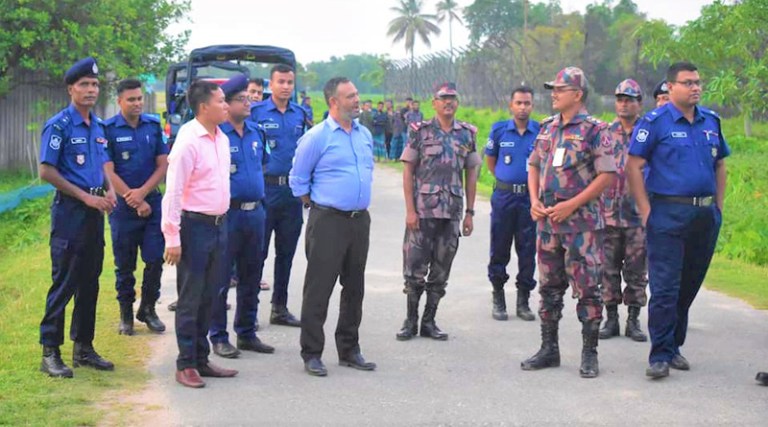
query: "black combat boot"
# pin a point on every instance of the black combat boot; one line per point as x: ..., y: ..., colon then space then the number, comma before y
x: 52, y: 363
x: 126, y: 319
x: 499, y: 311
x: 762, y: 378
x: 589, y: 366
x: 611, y: 326
x: 633, y: 329
x: 523, y: 310
x: 148, y: 315
x: 548, y: 355
x: 411, y: 324
x: 429, y: 328
x: 85, y: 355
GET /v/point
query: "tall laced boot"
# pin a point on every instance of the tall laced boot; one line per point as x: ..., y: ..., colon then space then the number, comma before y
x: 126, y: 319
x: 52, y: 363
x: 589, y: 333
x: 429, y: 328
x: 499, y: 311
x: 611, y: 326
x: 548, y: 355
x: 148, y: 315
x: 523, y: 310
x: 411, y: 324
x: 633, y: 329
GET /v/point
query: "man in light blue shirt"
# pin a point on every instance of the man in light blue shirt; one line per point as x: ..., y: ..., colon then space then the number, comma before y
x: 332, y: 173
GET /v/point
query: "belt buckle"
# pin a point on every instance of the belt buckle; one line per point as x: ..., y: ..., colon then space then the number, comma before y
x: 248, y: 206
x: 282, y: 180
x: 354, y: 214
x: 218, y: 220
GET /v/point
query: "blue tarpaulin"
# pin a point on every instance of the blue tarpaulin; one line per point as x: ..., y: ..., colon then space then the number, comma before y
x: 13, y: 198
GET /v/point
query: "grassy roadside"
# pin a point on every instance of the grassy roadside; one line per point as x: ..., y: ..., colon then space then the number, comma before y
x: 27, y: 397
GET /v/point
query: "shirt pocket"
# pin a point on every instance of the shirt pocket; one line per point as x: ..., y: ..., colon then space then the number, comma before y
x: 236, y: 160
x: 126, y: 152
x: 432, y: 148
x: 429, y: 197
x: 77, y: 155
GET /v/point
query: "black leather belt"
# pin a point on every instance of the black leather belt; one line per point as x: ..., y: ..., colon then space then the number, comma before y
x: 244, y: 206
x: 211, y: 219
x: 276, y: 179
x: 512, y: 188
x: 701, y: 201
x: 94, y: 191
x: 347, y: 214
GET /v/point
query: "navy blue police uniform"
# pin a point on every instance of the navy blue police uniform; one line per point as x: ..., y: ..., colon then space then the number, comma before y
x: 134, y: 152
x: 510, y: 204
x: 284, y: 211
x: 77, y: 150
x: 245, y: 224
x: 684, y: 221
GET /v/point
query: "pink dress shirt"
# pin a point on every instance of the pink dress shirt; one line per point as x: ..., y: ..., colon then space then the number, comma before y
x: 197, y: 179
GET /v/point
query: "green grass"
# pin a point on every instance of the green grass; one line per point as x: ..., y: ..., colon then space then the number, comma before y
x: 739, y: 279
x: 28, y: 397
x: 12, y: 180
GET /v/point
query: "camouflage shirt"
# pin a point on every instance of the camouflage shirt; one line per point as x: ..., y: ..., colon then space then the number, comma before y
x: 569, y: 157
x: 619, y: 209
x: 440, y: 159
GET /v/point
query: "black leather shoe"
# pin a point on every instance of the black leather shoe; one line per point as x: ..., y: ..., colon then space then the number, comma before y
x: 358, y: 362
x: 680, y: 363
x: 657, y: 370
x: 226, y: 350
x: 85, y: 355
x: 254, y: 344
x: 762, y: 378
x: 281, y: 316
x: 53, y: 365
x: 315, y: 367
x: 147, y: 314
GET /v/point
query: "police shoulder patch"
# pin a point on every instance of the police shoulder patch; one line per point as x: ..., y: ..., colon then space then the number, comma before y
x: 642, y: 135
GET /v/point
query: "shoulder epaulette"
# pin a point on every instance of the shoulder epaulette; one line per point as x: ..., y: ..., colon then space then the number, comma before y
x: 151, y: 118
x: 470, y: 127
x: 710, y: 112
x: 110, y: 121
x: 655, y: 114
x: 548, y: 120
x: 416, y: 126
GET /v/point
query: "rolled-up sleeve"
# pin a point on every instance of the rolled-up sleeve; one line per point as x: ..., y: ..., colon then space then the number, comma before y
x: 307, y: 155
x: 181, y: 163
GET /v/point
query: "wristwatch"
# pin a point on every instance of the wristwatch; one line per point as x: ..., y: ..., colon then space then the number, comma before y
x: 470, y: 212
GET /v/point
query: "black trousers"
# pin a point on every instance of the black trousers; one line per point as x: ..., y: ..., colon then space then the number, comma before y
x: 337, y: 248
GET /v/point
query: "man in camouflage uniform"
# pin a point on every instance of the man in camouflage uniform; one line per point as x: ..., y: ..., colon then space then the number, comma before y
x: 437, y: 152
x: 624, y: 247
x: 571, y: 165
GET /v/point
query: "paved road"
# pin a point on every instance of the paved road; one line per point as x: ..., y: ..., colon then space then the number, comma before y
x: 474, y: 378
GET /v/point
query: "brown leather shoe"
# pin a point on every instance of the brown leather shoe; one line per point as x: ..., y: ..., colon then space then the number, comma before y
x: 189, y: 378
x: 211, y: 370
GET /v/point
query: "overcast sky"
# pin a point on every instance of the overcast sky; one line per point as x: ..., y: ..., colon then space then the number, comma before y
x: 318, y: 29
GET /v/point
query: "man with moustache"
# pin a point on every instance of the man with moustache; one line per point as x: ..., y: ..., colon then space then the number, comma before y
x: 136, y: 164
x: 440, y: 163
x: 572, y: 164
x: 680, y: 202
x: 509, y: 144
x: 624, y: 247
x: 194, y: 223
x: 72, y: 159
x: 332, y: 173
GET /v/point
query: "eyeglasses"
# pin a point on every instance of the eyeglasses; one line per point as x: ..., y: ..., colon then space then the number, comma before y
x: 691, y: 83
x: 242, y: 99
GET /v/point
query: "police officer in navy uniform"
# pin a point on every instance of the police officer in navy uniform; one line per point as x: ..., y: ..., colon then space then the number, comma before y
x: 681, y: 203
x: 661, y: 93
x: 284, y: 123
x: 72, y: 157
x: 245, y: 226
x: 136, y: 164
x: 510, y: 143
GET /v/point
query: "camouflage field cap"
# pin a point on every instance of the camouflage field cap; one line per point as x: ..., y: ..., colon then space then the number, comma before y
x: 630, y: 88
x: 569, y: 76
x: 446, y: 89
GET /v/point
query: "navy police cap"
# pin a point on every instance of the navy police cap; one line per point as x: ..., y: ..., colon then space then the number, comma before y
x: 235, y: 85
x: 85, y: 67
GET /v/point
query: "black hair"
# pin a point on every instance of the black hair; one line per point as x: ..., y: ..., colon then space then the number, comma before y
x: 676, y: 68
x: 199, y: 93
x: 127, y: 84
x: 258, y: 81
x: 409, y: 99
x: 280, y: 68
x: 329, y: 90
x: 521, y: 89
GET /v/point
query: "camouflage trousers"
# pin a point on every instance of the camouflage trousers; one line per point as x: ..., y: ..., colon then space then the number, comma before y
x: 428, y: 255
x: 574, y: 258
x: 625, y: 255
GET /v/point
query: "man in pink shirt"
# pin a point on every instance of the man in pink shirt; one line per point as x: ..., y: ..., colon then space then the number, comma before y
x: 194, y: 224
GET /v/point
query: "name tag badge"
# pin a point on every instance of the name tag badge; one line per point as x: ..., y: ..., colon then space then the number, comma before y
x: 80, y: 140
x: 507, y: 159
x: 679, y: 135
x: 559, y: 157
x: 234, y: 149
x: 124, y: 138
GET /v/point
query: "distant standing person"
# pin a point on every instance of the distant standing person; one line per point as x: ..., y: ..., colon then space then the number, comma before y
x: 366, y: 115
x: 440, y: 165
x: 510, y: 143
x: 72, y: 157
x: 398, y: 134
x: 414, y: 115
x: 388, y: 129
x: 379, y: 127
x: 255, y: 90
x: 136, y: 164
x: 194, y: 222
x: 332, y: 173
x: 680, y: 202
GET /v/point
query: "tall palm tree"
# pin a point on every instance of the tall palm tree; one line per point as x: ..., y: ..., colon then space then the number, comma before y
x: 449, y: 9
x: 411, y: 22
